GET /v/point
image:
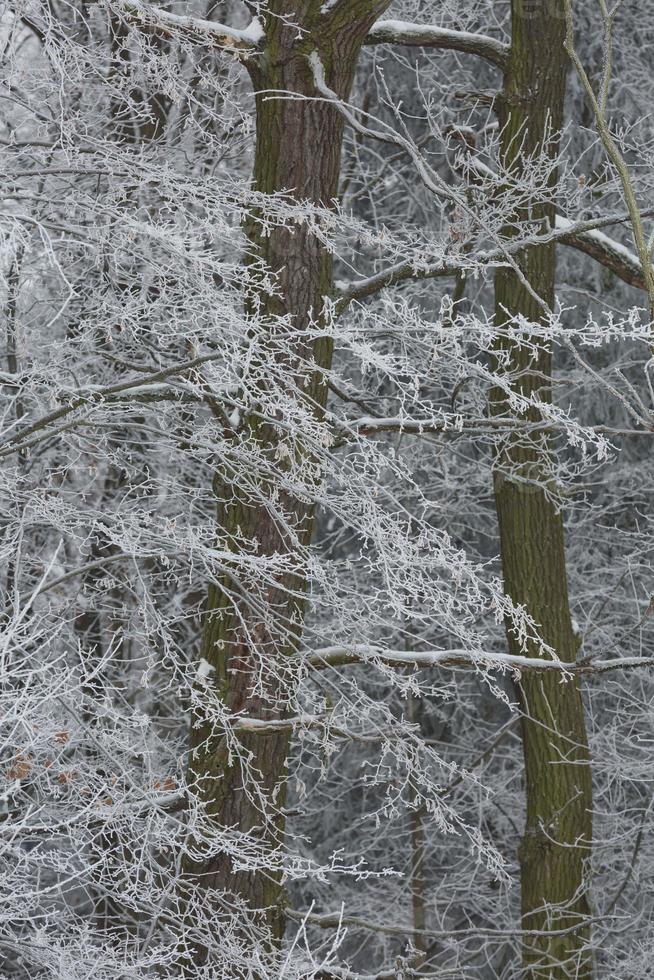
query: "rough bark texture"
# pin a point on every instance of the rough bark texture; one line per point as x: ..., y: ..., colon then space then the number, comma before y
x: 555, y: 850
x: 298, y: 151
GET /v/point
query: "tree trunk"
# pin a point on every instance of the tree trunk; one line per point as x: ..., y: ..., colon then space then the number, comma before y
x: 298, y: 151
x: 555, y: 850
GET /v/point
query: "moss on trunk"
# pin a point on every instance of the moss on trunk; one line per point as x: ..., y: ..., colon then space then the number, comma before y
x: 555, y: 850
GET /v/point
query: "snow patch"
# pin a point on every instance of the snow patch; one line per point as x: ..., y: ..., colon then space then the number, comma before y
x: 254, y: 31
x: 204, y: 671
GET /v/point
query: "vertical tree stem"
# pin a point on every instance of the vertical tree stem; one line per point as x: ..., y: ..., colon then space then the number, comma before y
x: 556, y: 846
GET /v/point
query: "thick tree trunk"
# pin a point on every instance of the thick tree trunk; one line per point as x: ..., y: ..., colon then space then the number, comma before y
x: 298, y: 151
x: 555, y: 850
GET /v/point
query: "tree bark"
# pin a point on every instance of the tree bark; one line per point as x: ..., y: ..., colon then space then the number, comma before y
x: 555, y: 849
x: 298, y: 152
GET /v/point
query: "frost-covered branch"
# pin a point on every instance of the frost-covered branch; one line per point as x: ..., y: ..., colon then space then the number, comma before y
x: 609, y: 142
x: 144, y: 15
x: 584, y: 236
x: 342, y: 656
x: 605, y: 250
x: 136, y: 389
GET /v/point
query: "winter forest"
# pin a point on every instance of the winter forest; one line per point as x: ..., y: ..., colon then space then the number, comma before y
x: 327, y: 506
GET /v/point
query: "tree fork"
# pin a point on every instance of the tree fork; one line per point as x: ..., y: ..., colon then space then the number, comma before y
x: 555, y: 850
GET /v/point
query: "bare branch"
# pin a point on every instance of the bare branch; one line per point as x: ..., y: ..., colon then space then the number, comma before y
x: 332, y: 920
x: 259, y: 726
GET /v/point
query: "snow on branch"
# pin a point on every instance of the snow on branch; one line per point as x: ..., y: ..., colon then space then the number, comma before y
x: 192, y: 28
x: 357, y: 653
x: 400, y: 272
x: 616, y: 257
x: 456, y: 424
x: 338, y: 656
x: 261, y: 726
x: 423, y: 35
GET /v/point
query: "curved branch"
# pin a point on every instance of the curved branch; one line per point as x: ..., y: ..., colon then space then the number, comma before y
x: 401, y: 272
x: 425, y: 36
x: 609, y: 253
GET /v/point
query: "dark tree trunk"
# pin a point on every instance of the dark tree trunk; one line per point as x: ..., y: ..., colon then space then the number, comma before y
x: 298, y: 151
x: 555, y: 851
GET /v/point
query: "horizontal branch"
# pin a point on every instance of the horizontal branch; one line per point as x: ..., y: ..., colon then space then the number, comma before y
x: 426, y: 36
x: 335, y: 920
x: 392, y: 276
x: 194, y: 29
x: 359, y: 653
x: 592, y: 666
x: 261, y: 726
x: 373, y: 425
x: 584, y: 236
x: 337, y: 656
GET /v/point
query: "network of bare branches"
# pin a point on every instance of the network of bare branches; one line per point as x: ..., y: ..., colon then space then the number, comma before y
x: 264, y: 675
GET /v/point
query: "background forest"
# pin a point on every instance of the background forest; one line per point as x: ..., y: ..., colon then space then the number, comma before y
x: 327, y: 402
